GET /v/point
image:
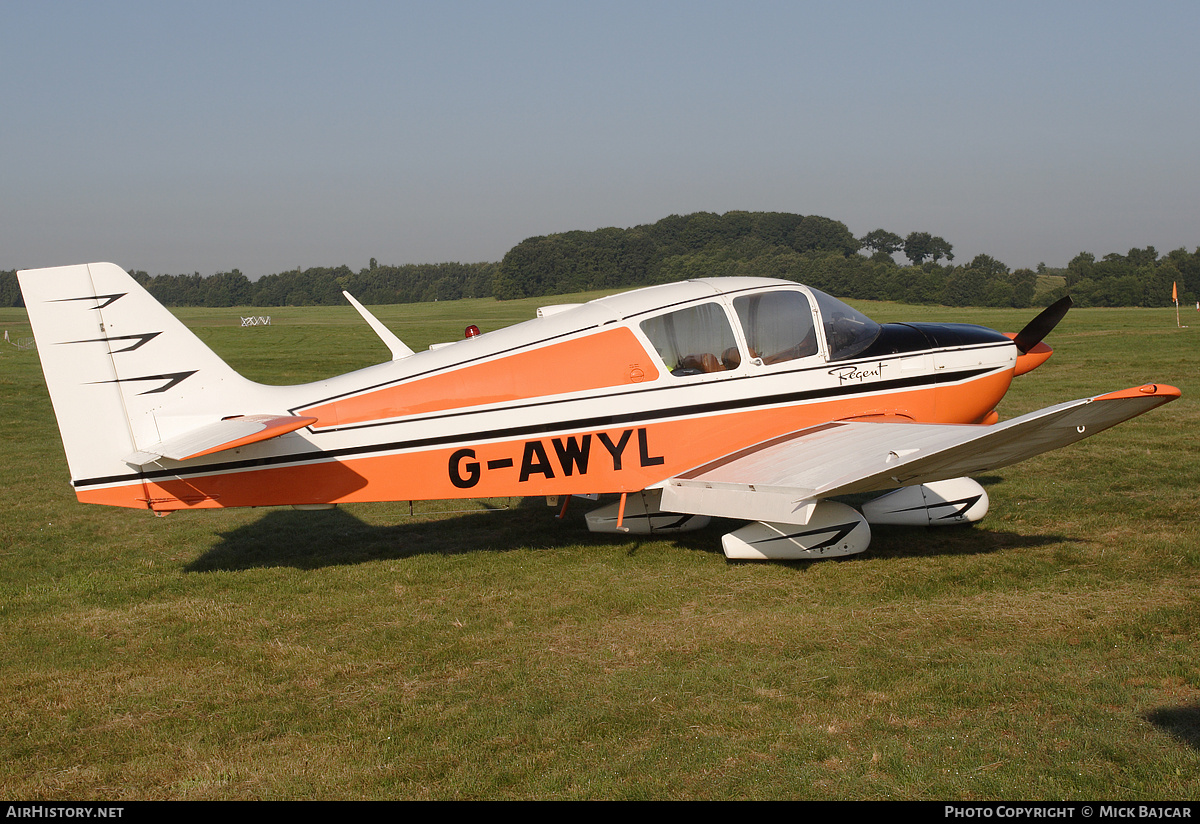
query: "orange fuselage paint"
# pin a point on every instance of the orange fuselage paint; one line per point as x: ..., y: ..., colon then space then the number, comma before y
x: 612, y: 459
x: 603, y: 360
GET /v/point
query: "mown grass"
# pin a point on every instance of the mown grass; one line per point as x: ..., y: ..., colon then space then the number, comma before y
x: 1048, y: 653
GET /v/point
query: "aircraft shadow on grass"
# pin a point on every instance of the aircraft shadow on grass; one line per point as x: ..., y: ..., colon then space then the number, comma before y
x: 1181, y: 723
x: 313, y: 540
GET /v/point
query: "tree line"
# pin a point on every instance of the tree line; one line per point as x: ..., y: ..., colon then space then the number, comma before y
x: 316, y: 286
x: 822, y: 253
x: 814, y: 250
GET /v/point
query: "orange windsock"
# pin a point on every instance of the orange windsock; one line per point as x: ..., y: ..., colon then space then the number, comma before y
x: 1174, y: 292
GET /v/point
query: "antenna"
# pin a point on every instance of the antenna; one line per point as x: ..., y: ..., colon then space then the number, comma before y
x: 397, y: 346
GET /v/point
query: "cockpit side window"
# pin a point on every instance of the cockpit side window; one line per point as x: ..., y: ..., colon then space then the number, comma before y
x: 778, y: 325
x: 694, y: 341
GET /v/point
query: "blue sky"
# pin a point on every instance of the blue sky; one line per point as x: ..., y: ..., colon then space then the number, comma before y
x: 186, y: 136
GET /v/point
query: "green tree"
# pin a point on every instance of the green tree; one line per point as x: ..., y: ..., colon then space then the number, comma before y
x: 966, y: 287
x: 982, y: 282
x: 816, y: 233
x: 1080, y: 268
x: 916, y: 247
x: 1024, y: 286
x: 882, y: 242
x: 1142, y: 257
x: 10, y: 289
x: 987, y: 264
x: 939, y: 249
x: 922, y: 246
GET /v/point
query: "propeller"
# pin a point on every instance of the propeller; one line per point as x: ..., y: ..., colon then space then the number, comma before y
x: 1040, y: 326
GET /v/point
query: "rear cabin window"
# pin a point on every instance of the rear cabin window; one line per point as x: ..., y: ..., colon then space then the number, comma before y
x: 778, y: 326
x: 694, y: 341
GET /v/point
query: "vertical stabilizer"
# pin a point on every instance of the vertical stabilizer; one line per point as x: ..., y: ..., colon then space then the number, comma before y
x: 115, y: 360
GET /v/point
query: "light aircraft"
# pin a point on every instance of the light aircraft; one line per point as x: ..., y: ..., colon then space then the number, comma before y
x: 745, y: 398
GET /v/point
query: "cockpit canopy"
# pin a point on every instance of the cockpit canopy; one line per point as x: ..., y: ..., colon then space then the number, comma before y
x: 776, y: 325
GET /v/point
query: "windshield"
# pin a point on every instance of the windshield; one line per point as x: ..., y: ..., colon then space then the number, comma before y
x: 847, y: 330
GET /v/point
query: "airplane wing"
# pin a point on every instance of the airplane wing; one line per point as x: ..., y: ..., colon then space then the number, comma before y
x: 215, y: 437
x: 781, y: 480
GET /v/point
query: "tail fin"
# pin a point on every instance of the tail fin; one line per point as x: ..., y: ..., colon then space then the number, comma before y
x: 118, y: 365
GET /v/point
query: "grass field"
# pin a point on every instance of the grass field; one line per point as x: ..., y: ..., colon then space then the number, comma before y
x: 1048, y: 653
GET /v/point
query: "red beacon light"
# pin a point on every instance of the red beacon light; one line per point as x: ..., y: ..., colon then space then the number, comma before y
x: 472, y: 331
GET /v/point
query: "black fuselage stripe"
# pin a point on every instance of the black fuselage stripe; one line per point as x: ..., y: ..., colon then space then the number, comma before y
x: 541, y: 429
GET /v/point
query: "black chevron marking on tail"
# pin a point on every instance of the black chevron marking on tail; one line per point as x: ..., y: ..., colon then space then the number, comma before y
x: 171, y: 379
x: 106, y: 298
x: 141, y: 339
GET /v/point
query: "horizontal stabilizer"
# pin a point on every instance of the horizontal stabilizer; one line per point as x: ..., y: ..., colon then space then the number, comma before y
x: 217, y: 437
x: 847, y: 457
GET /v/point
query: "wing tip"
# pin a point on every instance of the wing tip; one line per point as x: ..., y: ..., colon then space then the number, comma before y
x: 1161, y: 390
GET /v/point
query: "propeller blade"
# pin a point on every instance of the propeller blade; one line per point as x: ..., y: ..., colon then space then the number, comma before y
x: 1040, y: 326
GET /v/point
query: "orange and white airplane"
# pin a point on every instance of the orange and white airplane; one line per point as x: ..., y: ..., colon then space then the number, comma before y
x: 744, y: 398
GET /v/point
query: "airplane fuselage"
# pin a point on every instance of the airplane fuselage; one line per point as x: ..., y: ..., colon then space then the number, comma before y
x: 615, y: 395
x: 745, y: 398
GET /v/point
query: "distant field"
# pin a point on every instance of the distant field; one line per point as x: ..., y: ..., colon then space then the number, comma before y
x: 483, y: 650
x: 1048, y: 283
